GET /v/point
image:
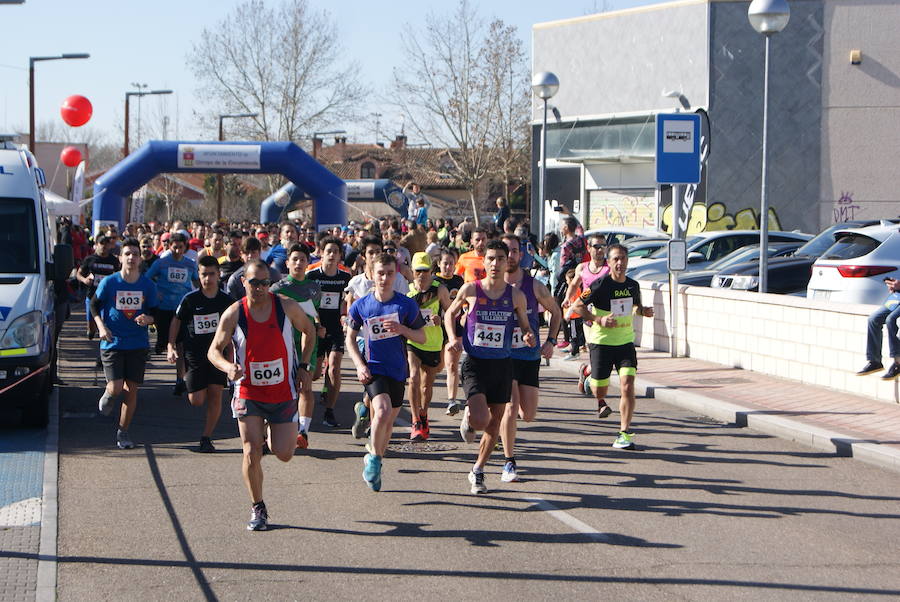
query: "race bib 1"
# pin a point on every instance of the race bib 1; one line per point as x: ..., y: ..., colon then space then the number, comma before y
x: 178, y: 275
x: 621, y: 307
x: 206, y: 324
x: 518, y: 342
x: 330, y: 301
x: 489, y: 335
x: 129, y: 301
x: 264, y: 374
x: 377, y: 330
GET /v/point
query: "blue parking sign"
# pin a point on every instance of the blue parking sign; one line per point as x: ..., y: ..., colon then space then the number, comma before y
x: 678, y: 148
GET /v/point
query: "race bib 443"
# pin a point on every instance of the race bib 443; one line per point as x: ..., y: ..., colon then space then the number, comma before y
x: 489, y: 335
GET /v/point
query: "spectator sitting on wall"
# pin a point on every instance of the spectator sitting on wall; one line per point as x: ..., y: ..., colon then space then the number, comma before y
x: 887, y: 314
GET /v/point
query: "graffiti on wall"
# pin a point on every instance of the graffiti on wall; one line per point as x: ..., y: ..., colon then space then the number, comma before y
x: 844, y: 208
x: 716, y: 217
x: 607, y: 208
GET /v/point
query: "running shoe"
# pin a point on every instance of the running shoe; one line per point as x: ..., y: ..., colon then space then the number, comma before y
x: 180, y: 388
x: 509, y: 473
x: 302, y: 440
x: 572, y: 357
x: 329, y: 419
x: 360, y: 421
x: 206, y: 446
x: 372, y: 472
x: 417, y: 432
x: 582, y: 378
x: 426, y: 428
x: 562, y: 344
x: 467, y: 434
x: 454, y: 407
x: 259, y: 518
x: 892, y: 373
x: 870, y: 368
x: 603, y: 410
x: 624, y: 441
x: 477, y: 481
x: 123, y: 441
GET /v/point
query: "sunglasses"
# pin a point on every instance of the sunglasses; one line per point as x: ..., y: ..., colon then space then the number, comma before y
x: 598, y: 246
x: 390, y: 250
x: 257, y: 282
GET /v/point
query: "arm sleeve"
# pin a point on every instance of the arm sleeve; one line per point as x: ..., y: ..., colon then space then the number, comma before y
x: 414, y: 318
x: 356, y: 321
x: 96, y: 306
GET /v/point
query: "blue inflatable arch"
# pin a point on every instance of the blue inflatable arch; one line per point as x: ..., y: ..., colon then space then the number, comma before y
x: 286, y: 197
x: 329, y: 193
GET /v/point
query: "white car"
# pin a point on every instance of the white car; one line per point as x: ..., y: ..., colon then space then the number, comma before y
x: 853, y: 269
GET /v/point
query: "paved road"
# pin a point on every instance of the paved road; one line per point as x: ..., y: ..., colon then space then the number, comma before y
x: 702, y: 510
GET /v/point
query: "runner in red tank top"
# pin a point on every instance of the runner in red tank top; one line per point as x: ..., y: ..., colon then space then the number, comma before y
x: 267, y: 371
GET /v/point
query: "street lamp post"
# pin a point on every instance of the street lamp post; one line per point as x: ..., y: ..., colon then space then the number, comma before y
x: 219, y: 180
x: 31, y: 61
x: 545, y: 85
x: 128, y: 95
x: 767, y: 17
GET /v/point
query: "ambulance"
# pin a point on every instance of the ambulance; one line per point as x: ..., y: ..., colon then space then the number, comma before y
x: 33, y: 298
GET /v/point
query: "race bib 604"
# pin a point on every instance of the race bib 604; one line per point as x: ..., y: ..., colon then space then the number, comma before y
x: 264, y: 374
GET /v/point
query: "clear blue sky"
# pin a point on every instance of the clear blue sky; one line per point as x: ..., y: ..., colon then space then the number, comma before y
x: 149, y: 42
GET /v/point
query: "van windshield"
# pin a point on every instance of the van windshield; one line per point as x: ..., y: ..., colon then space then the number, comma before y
x: 18, y: 236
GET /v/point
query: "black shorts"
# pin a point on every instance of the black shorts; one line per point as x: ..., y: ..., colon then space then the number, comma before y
x: 385, y: 384
x: 163, y: 321
x: 606, y: 357
x: 124, y: 364
x: 429, y: 359
x: 273, y: 413
x: 330, y: 342
x: 525, y: 372
x: 489, y: 377
x: 201, y: 373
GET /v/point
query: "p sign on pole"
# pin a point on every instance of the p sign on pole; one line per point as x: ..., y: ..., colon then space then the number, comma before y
x: 678, y: 164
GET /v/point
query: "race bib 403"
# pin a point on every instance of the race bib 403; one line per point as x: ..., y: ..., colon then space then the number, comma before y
x: 129, y: 300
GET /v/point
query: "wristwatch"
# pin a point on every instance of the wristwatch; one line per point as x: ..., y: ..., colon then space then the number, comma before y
x: 303, y: 366
x: 551, y: 340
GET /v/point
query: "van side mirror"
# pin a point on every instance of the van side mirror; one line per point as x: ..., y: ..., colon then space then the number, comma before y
x: 63, y: 262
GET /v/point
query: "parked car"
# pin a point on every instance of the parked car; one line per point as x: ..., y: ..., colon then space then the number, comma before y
x: 705, y: 248
x: 787, y: 275
x: 622, y: 234
x: 742, y: 256
x: 853, y: 269
x: 642, y: 246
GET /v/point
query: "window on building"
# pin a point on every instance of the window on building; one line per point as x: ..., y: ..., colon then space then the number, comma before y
x: 367, y: 171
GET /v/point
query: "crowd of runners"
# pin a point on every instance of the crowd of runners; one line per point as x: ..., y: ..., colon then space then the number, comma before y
x: 266, y: 312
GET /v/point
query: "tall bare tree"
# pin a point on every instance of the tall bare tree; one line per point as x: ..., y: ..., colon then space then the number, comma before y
x: 451, y: 86
x: 281, y: 61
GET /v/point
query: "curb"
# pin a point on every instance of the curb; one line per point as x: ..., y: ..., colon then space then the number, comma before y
x: 46, y: 572
x: 840, y: 444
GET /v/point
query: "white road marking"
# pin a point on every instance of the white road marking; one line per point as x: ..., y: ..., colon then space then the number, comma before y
x: 22, y: 513
x: 568, y: 519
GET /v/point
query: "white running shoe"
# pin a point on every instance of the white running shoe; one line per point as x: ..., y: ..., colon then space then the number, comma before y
x: 467, y: 434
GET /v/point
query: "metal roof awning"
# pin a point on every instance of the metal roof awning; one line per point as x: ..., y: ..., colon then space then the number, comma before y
x: 601, y: 157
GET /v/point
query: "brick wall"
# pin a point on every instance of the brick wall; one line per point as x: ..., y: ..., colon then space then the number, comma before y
x: 813, y: 342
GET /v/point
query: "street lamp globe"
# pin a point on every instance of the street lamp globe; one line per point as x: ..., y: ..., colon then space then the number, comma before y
x: 769, y: 16
x: 545, y: 84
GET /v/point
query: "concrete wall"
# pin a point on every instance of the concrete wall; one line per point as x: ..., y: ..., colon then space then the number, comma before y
x: 737, y: 59
x: 790, y: 337
x: 861, y: 110
x: 620, y: 62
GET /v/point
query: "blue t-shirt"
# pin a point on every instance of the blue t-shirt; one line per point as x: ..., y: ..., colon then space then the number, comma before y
x: 422, y: 216
x: 386, y: 351
x: 120, y: 303
x: 174, y: 279
x: 277, y: 258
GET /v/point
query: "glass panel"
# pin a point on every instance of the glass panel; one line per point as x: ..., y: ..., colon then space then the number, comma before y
x: 18, y: 236
x: 630, y: 137
x: 851, y: 246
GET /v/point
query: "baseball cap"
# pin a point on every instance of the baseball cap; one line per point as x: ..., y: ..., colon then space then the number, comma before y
x: 165, y: 236
x: 262, y: 235
x: 421, y: 261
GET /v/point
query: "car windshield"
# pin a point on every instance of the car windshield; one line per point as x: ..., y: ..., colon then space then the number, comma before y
x: 850, y: 246
x: 18, y: 236
x: 663, y: 251
x: 744, y: 254
x: 817, y: 245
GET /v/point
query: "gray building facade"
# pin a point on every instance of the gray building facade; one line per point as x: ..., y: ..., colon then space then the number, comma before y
x: 833, y: 126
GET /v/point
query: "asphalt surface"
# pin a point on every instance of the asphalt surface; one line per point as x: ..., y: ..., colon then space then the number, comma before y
x: 701, y: 510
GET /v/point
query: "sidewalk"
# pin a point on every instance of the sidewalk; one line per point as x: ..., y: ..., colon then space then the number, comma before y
x: 821, y: 418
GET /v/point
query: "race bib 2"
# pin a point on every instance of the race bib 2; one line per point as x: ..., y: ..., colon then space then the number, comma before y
x: 330, y: 301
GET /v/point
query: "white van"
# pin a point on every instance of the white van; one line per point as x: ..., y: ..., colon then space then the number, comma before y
x: 33, y: 271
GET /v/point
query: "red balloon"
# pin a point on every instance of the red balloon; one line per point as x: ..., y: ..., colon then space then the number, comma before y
x: 70, y: 156
x: 76, y: 110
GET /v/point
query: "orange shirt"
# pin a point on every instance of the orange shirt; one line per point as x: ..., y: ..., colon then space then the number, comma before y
x: 471, y: 266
